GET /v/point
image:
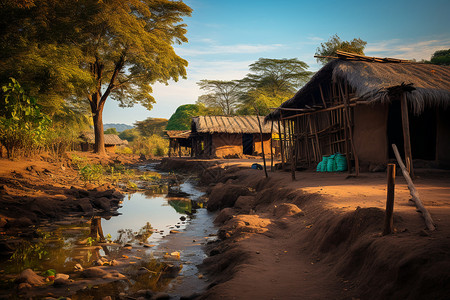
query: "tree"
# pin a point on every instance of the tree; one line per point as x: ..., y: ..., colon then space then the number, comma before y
x: 151, y: 126
x: 222, y: 96
x: 115, y: 49
x: 271, y: 82
x: 441, y: 57
x: 129, y: 134
x: 111, y: 131
x: 182, y: 117
x: 329, y: 48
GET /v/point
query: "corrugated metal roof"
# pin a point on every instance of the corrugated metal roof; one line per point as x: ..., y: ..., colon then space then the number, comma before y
x: 230, y: 124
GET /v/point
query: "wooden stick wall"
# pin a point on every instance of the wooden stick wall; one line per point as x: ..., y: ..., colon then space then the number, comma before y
x: 308, y: 136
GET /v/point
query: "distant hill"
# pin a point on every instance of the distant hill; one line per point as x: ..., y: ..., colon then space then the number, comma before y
x: 118, y: 127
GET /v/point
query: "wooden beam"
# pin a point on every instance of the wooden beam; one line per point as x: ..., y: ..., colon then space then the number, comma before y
x: 389, y: 217
x: 413, y: 191
x: 406, y: 135
x: 281, y: 144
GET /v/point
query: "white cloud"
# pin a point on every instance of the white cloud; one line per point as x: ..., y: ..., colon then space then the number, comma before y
x: 211, y: 48
x: 399, y: 49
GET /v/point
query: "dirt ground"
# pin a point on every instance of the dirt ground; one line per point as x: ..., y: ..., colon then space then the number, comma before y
x: 319, y: 237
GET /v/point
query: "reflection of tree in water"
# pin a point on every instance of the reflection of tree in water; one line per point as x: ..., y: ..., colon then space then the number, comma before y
x: 181, y: 206
x: 151, y: 190
x: 128, y: 236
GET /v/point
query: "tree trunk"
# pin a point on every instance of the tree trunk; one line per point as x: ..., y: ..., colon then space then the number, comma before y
x: 99, y: 146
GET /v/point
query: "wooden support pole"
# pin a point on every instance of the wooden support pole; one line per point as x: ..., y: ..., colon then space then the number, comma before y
x: 389, y: 217
x: 271, y: 147
x: 281, y: 144
x: 285, y: 142
x: 406, y: 135
x: 262, y: 142
x: 414, y: 193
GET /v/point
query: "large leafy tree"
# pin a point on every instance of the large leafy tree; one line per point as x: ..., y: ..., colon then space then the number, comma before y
x: 181, y: 118
x: 271, y: 82
x: 151, y: 126
x: 93, y: 50
x: 222, y: 96
x: 327, y: 50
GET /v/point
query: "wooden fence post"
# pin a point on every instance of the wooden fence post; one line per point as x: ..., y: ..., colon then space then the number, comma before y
x: 389, y: 218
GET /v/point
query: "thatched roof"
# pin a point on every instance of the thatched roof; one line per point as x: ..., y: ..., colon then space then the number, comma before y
x: 234, y: 124
x: 375, y: 82
x: 178, y: 134
x: 110, y: 139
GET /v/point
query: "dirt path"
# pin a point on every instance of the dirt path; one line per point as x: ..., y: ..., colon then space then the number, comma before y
x: 319, y: 237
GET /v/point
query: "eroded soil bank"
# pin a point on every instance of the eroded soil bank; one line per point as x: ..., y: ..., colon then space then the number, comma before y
x: 319, y: 237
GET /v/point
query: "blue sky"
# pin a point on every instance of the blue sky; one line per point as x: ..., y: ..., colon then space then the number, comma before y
x: 226, y: 36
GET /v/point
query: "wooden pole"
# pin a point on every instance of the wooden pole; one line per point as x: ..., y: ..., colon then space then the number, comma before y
x: 262, y: 141
x: 414, y: 193
x: 406, y: 136
x: 389, y: 217
x: 281, y: 144
x: 271, y: 147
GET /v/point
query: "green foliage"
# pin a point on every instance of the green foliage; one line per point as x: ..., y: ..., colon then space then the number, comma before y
x: 90, y: 241
x: 124, y: 150
x: 92, y: 172
x: 154, y: 145
x: 111, y: 131
x: 270, y: 83
x: 22, y: 125
x: 151, y: 126
x: 222, y: 96
x: 441, y: 57
x: 129, y: 134
x: 329, y: 48
x: 92, y: 50
x: 182, y: 117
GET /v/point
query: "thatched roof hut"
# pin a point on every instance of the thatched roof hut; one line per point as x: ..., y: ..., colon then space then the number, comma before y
x: 375, y: 82
x: 229, y: 124
x: 111, y: 141
x: 360, y: 105
x: 177, y: 140
x: 230, y: 136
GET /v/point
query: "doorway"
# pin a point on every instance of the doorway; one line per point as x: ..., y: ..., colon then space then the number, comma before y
x: 422, y: 131
x: 247, y: 144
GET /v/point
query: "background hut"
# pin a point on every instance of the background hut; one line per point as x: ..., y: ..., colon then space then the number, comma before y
x: 111, y: 141
x: 177, y: 140
x: 360, y: 105
x: 221, y: 136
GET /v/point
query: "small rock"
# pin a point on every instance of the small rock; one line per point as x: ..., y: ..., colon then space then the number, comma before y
x: 61, y: 282
x: 30, y: 277
x: 200, y: 276
x: 94, y: 272
x: 148, y: 246
x: 24, y: 286
x: 174, y: 231
x: 61, y: 276
x: 78, y: 268
x: 183, y: 218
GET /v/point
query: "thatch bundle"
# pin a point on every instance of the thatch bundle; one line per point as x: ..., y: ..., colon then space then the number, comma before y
x: 425, y: 84
x: 229, y: 124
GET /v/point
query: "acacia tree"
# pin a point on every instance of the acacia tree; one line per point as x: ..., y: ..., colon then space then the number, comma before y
x: 151, y: 126
x: 271, y: 82
x: 115, y: 48
x: 329, y: 48
x: 222, y: 96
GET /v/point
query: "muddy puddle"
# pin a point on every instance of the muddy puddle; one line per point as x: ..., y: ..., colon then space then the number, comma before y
x: 156, y: 241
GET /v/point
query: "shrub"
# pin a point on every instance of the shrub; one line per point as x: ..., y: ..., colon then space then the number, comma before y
x: 154, y: 145
x: 22, y: 125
